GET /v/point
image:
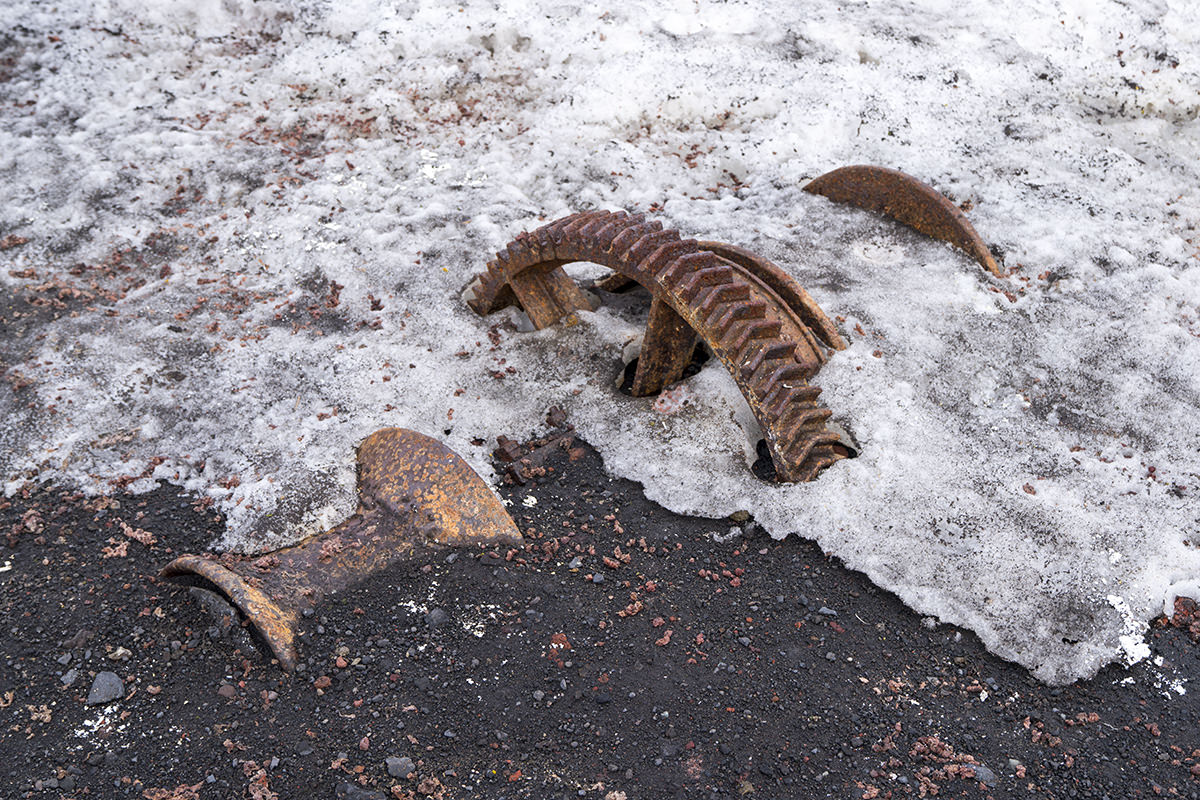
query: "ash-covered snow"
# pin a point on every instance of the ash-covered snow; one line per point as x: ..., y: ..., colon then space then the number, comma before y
x: 250, y: 224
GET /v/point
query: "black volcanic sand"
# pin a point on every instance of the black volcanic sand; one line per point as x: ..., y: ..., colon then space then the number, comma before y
x: 695, y: 667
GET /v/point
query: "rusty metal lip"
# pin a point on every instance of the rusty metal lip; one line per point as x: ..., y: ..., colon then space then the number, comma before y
x: 415, y: 493
x: 908, y: 200
x: 274, y: 623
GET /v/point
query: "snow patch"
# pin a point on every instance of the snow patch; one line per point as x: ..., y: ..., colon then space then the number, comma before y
x: 1133, y: 636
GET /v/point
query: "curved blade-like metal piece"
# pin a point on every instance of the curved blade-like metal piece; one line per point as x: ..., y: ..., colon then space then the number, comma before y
x: 752, y: 318
x: 414, y: 492
x: 905, y: 199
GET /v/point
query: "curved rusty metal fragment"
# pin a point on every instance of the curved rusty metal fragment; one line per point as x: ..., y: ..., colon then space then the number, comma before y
x: 414, y: 492
x: 905, y: 199
x: 755, y: 319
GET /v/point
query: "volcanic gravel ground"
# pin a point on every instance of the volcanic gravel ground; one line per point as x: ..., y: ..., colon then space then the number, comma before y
x: 626, y: 652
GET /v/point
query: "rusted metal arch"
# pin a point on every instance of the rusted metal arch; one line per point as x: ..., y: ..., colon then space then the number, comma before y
x: 762, y: 326
x: 414, y: 493
x: 904, y: 198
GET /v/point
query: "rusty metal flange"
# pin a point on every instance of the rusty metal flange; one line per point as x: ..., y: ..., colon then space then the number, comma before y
x: 763, y: 327
x: 414, y: 492
x: 905, y: 199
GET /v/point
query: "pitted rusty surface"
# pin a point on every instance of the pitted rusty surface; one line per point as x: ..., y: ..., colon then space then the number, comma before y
x: 414, y: 492
x: 905, y: 199
x: 755, y: 319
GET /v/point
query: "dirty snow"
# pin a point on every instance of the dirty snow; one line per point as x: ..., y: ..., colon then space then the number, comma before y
x: 249, y: 226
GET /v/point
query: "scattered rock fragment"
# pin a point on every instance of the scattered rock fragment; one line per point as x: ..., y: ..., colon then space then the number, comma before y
x: 400, y: 766
x: 218, y: 609
x: 984, y: 775
x: 348, y: 791
x: 106, y: 688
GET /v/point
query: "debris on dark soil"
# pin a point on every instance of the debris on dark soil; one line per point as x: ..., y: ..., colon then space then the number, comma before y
x: 624, y: 652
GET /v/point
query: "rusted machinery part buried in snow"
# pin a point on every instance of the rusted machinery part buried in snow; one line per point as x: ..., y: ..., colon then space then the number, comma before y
x: 762, y: 326
x: 414, y: 492
x: 905, y: 199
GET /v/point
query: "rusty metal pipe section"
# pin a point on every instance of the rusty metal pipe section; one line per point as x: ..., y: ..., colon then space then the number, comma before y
x: 762, y: 326
x: 904, y: 198
x: 414, y: 493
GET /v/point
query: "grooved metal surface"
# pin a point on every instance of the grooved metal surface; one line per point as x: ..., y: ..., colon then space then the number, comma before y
x: 760, y: 337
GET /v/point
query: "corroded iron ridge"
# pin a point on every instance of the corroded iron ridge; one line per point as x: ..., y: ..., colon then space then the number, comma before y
x: 740, y: 312
x: 414, y: 492
x: 791, y: 293
x: 905, y: 199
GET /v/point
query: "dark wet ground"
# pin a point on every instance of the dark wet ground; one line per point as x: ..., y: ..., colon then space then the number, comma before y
x: 684, y: 667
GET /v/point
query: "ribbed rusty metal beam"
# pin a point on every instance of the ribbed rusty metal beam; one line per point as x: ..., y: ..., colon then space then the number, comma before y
x: 755, y: 319
x: 792, y: 294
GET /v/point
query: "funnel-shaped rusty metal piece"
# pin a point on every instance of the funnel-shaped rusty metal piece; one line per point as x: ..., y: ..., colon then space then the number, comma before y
x: 414, y: 492
x: 904, y: 198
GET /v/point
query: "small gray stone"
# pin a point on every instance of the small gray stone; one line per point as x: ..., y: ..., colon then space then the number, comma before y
x: 105, y: 688
x: 218, y: 609
x: 597, y: 578
x: 400, y: 766
x: 539, y: 695
x: 436, y: 617
x: 64, y: 659
x: 984, y: 775
x: 348, y: 791
x: 827, y: 611
x: 575, y: 563
x: 69, y: 676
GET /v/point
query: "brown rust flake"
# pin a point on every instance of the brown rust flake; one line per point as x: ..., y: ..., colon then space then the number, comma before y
x: 414, y: 493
